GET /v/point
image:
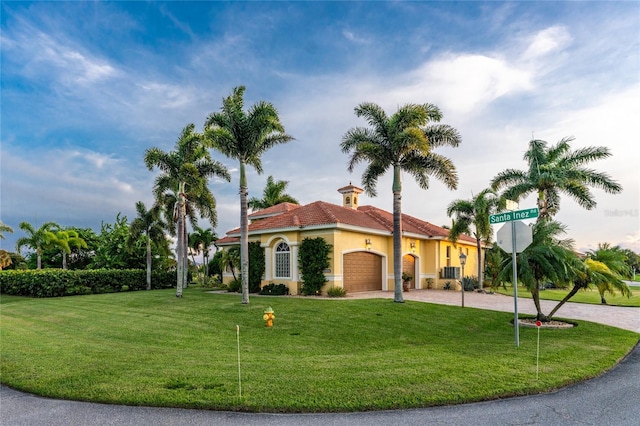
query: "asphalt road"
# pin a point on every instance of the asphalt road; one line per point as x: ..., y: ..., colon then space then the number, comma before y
x: 610, y: 399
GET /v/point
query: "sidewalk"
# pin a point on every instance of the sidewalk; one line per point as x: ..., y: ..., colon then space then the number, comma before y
x: 616, y: 316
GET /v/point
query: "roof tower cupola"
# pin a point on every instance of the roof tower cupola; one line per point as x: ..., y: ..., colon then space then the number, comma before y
x: 350, y: 195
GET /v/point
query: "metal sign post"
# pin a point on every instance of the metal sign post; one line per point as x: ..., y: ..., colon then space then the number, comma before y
x: 516, y: 323
x: 514, y: 238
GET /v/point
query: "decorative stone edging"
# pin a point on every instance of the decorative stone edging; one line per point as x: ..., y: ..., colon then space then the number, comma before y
x: 531, y: 323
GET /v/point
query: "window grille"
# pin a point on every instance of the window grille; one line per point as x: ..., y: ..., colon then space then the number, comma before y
x: 283, y: 261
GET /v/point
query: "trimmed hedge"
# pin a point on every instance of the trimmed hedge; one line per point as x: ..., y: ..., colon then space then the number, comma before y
x: 58, y: 282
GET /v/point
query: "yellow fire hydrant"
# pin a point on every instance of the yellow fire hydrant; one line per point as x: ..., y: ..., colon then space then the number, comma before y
x: 269, y: 316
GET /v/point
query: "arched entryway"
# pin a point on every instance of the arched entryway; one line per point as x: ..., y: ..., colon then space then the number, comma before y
x: 409, y: 268
x: 362, y: 271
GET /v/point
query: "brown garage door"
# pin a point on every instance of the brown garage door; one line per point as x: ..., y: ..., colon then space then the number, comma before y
x: 362, y: 272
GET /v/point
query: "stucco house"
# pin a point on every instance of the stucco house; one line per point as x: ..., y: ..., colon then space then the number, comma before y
x: 362, y: 241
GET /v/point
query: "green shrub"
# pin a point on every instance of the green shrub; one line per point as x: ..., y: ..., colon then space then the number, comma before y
x: 313, y: 258
x: 58, y: 282
x: 470, y: 283
x: 235, y: 286
x: 272, y: 289
x: 447, y: 285
x: 256, y: 266
x: 336, y: 292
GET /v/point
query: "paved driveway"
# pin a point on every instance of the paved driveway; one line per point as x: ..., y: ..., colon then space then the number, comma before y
x: 610, y: 399
x: 616, y: 316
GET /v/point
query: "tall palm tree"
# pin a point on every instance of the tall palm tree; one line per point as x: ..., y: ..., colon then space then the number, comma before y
x: 402, y: 142
x: 554, y: 170
x: 65, y: 240
x: 475, y: 213
x: 4, y: 228
x: 148, y: 224
x: 202, y: 240
x: 547, y: 258
x: 244, y: 136
x: 615, y: 259
x: 273, y: 194
x: 182, y: 189
x: 37, y: 239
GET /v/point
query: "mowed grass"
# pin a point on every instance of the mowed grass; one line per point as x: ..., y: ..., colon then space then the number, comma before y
x: 591, y: 296
x: 150, y: 348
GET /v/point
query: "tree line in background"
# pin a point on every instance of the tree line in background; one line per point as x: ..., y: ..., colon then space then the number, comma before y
x: 402, y: 142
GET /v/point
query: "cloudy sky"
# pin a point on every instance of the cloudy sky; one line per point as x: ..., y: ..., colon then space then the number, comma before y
x: 87, y: 87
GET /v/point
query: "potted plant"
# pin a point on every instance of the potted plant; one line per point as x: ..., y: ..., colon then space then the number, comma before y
x: 429, y: 283
x: 406, y: 281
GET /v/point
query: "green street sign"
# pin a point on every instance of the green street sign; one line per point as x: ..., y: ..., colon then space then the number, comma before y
x: 517, y: 215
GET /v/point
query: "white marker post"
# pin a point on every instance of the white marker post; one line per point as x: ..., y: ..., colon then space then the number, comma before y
x: 239, y: 375
x: 538, y: 324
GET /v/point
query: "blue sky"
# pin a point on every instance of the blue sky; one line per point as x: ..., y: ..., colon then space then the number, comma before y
x: 87, y: 87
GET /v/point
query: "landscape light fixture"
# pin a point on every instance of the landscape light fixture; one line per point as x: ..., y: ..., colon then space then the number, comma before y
x: 463, y: 260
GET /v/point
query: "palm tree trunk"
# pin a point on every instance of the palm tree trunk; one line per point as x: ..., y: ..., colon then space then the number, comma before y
x: 39, y: 258
x: 573, y: 291
x: 480, y: 263
x: 64, y: 260
x: 397, y: 236
x: 179, y: 263
x: 148, y: 262
x: 535, y: 295
x: 542, y: 205
x: 244, y: 236
x: 180, y: 250
x: 185, y: 242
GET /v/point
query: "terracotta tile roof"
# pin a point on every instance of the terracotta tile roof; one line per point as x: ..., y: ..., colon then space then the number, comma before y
x: 273, y: 210
x: 321, y: 213
x: 349, y: 188
x: 227, y: 240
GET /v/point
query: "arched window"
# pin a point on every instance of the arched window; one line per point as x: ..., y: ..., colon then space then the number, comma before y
x: 283, y: 261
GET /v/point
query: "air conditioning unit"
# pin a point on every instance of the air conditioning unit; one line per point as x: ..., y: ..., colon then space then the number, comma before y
x: 450, y: 272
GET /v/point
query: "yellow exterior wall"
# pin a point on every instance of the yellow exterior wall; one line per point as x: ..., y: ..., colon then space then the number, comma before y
x: 430, y: 257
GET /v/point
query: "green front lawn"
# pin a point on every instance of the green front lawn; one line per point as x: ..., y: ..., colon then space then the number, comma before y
x: 149, y: 348
x: 583, y: 296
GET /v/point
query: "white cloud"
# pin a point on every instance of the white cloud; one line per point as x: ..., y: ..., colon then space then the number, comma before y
x: 546, y: 41
x: 168, y: 96
x: 468, y: 82
x: 351, y: 36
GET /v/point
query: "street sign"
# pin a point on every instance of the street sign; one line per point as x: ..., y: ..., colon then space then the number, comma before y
x: 524, y: 236
x: 517, y: 215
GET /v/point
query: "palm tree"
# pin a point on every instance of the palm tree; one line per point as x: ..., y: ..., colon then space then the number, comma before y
x: 272, y: 195
x: 203, y: 239
x: 475, y: 212
x: 402, y: 142
x: 230, y: 259
x: 4, y: 228
x: 547, y: 258
x: 149, y: 225
x: 554, y: 170
x: 37, y: 239
x: 65, y: 240
x: 244, y: 136
x: 5, y: 259
x: 615, y: 259
x: 182, y: 189
x: 592, y: 272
